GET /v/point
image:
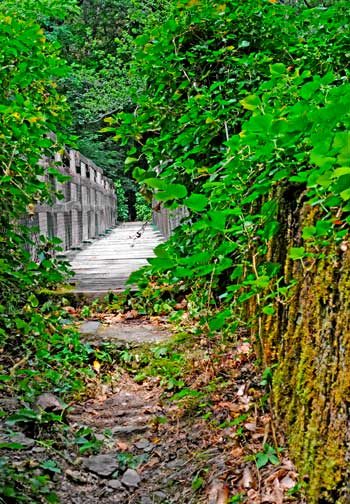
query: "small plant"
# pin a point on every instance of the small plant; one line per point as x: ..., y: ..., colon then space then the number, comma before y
x: 268, y: 456
x: 130, y: 461
x: 237, y: 498
x: 86, y: 441
x: 197, y: 482
x: 85, y: 311
x: 22, y: 483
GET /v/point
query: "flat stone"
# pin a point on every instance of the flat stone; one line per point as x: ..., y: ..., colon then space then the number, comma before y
x: 146, y: 500
x: 128, y: 429
x: 102, y: 465
x: 137, y: 334
x: 10, y: 404
x: 76, y: 476
x: 49, y: 402
x: 175, y: 464
x: 89, y: 328
x: 19, y: 437
x: 160, y: 495
x: 131, y: 478
x: 115, y: 484
x: 142, y: 444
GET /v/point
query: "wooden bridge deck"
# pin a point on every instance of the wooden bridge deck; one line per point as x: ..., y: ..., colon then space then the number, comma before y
x: 106, y: 264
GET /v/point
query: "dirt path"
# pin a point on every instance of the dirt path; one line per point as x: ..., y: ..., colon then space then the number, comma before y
x: 194, y: 428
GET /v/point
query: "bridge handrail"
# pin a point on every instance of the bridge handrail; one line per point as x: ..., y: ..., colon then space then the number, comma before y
x: 88, y: 208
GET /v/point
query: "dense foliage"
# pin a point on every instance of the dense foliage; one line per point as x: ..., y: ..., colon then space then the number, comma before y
x: 31, y: 113
x: 244, y: 121
x: 38, y: 353
x: 243, y: 101
x: 98, y: 44
x: 235, y: 110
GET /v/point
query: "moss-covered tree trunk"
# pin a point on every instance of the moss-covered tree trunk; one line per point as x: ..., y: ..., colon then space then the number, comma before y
x: 310, y: 340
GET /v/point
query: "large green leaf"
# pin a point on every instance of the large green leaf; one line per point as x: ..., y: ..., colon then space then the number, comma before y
x: 171, y: 192
x: 196, y: 202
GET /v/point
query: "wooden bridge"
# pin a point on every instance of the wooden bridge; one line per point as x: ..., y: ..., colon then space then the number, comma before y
x: 106, y: 264
x: 102, y: 252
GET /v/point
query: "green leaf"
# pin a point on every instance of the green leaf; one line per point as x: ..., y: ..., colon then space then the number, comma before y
x: 345, y: 195
x: 33, y: 300
x: 51, y: 465
x: 155, y: 183
x: 338, y: 172
x: 196, y: 202
x: 161, y: 264
x: 274, y: 459
x: 197, y: 483
x: 130, y: 160
x: 219, y: 321
x: 11, y: 446
x: 250, y: 102
x: 268, y: 310
x: 270, y: 229
x: 171, y: 192
x: 309, y: 232
x: 297, y: 253
x: 278, y: 69
x: 161, y: 251
x: 261, y: 460
x: 217, y: 220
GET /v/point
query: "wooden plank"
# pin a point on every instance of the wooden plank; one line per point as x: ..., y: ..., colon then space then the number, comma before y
x: 107, y: 263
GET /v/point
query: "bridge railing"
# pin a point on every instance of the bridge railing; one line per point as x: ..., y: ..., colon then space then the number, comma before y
x: 88, y: 207
x: 167, y: 220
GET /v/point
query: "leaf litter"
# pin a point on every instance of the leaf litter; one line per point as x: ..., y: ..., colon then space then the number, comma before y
x: 207, y: 439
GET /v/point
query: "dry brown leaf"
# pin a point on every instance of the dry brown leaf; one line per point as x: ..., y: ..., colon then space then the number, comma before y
x: 287, y: 482
x: 279, y: 473
x: 244, y: 348
x: 250, y: 426
x: 247, y: 480
x: 123, y: 446
x: 253, y: 497
x: 69, y: 309
x: 218, y: 493
x: 152, y: 462
x: 230, y: 406
x: 240, y: 391
x: 131, y: 314
x: 277, y: 493
x: 237, y: 452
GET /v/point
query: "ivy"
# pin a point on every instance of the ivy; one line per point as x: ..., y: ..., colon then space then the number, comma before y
x: 31, y: 115
x: 244, y: 104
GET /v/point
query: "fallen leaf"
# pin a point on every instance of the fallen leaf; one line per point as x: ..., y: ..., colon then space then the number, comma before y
x: 237, y: 452
x: 131, y: 314
x: 151, y: 463
x: 123, y: 446
x: 287, y: 483
x: 69, y: 309
x: 240, y: 391
x: 247, y: 480
x: 230, y: 406
x: 218, y: 493
x: 250, y: 426
x: 97, y: 366
x: 244, y: 348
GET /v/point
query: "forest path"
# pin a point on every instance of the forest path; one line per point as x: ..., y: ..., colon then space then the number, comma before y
x: 107, y: 263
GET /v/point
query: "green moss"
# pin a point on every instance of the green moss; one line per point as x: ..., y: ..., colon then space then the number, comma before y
x: 311, y: 340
